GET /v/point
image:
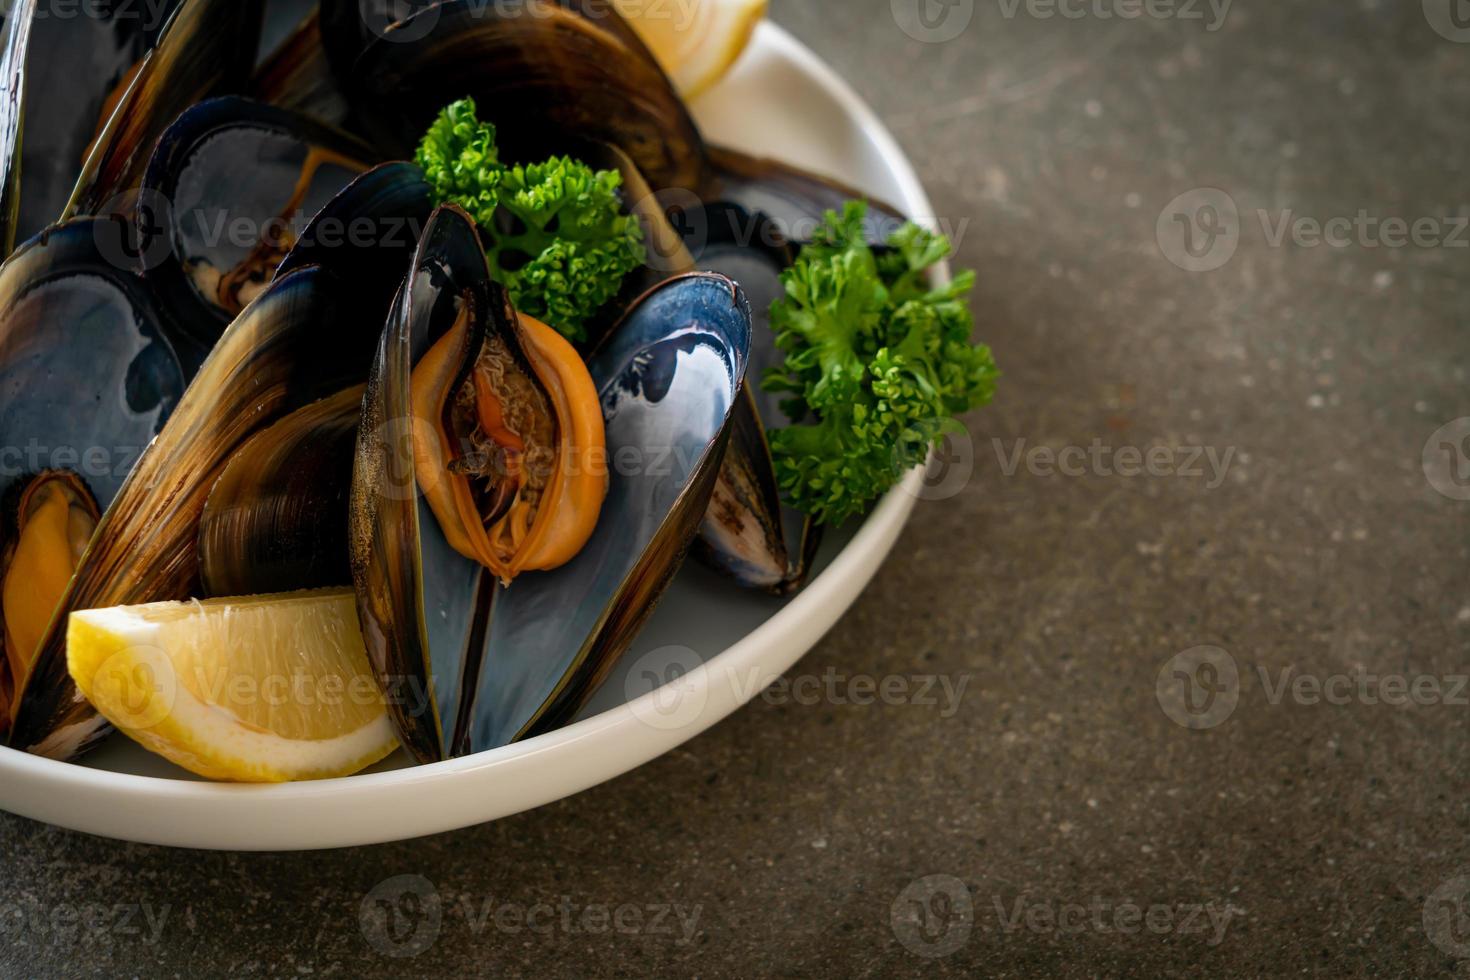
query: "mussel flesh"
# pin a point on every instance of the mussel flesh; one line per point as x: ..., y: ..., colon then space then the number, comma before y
x: 44, y: 531
x: 512, y: 460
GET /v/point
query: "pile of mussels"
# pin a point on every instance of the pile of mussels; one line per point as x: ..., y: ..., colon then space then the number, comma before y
x: 192, y: 414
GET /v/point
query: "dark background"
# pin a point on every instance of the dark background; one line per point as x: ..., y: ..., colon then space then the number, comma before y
x: 1324, y: 831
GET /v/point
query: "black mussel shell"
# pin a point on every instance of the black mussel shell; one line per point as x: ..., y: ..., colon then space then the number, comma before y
x: 87, y: 373
x: 539, y: 72
x: 231, y: 185
x: 292, y: 346
x: 207, y: 47
x: 59, y: 77
x: 368, y: 235
x: 276, y: 520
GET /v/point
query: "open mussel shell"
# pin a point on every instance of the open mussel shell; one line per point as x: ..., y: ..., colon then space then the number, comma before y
x: 206, y: 48
x: 294, y: 345
x: 498, y: 663
x: 87, y: 375
x: 749, y: 533
x: 60, y: 78
x: 670, y: 376
x: 230, y: 186
x: 536, y: 69
x: 46, y: 521
x: 15, y: 40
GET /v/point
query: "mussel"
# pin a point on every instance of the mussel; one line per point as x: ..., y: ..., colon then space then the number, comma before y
x: 207, y: 47
x: 553, y: 69
x: 229, y: 187
x: 498, y: 660
x: 295, y: 344
x: 750, y: 533
x: 524, y: 59
x: 276, y: 519
x: 47, y: 522
x: 87, y: 377
x: 60, y: 77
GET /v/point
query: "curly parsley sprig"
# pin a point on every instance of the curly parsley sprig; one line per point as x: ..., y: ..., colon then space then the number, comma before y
x: 555, y: 232
x: 878, y: 363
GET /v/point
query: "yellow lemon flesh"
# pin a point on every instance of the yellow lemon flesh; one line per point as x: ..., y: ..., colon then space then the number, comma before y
x: 259, y: 689
x: 696, y: 41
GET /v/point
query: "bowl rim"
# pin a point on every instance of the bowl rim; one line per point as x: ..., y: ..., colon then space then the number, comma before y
x: 609, y: 744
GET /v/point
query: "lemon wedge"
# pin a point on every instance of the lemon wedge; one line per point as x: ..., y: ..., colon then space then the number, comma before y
x: 696, y: 41
x: 260, y: 689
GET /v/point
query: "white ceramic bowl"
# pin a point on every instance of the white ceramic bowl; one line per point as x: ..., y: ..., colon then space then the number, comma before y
x: 721, y: 644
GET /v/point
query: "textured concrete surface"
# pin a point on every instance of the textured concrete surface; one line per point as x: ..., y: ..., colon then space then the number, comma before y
x: 1076, y: 828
